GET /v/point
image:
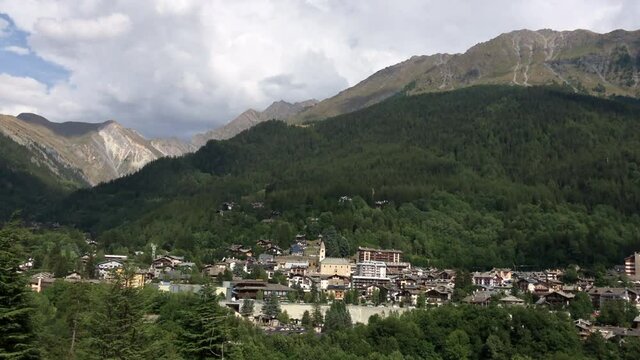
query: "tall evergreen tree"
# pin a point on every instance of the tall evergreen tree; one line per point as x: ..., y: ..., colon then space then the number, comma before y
x: 271, y: 306
x: 16, y: 323
x: 337, y: 317
x: 117, y: 329
x: 247, y: 307
x: 206, y: 328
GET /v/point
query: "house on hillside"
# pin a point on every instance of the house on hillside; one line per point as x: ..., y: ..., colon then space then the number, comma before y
x: 105, y: 269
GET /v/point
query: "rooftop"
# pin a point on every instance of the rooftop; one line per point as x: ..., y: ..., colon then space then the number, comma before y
x: 335, y: 261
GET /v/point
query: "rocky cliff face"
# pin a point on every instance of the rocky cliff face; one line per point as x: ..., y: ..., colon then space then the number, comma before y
x: 279, y: 110
x: 173, y: 146
x: 584, y: 61
x: 95, y: 152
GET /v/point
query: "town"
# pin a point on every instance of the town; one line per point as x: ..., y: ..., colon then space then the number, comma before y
x: 301, y: 279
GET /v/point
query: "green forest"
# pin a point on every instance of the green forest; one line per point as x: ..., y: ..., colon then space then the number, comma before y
x: 474, y: 178
x: 111, y: 321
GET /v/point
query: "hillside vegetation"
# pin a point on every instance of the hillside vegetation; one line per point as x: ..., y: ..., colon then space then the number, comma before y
x: 26, y: 180
x: 478, y: 177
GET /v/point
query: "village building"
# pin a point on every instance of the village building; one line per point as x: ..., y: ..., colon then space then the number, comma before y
x: 105, y: 269
x: 632, y: 266
x: 600, y: 295
x: 249, y: 289
x: 486, y: 279
x: 387, y: 256
x: 335, y: 266
x: 438, y: 296
x: 555, y: 299
x: 511, y: 300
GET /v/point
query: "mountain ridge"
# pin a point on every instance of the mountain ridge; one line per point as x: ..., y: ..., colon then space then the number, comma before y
x: 278, y: 110
x: 585, y: 61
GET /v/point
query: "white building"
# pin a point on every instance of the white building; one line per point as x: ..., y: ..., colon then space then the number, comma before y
x: 375, y: 269
x: 105, y: 268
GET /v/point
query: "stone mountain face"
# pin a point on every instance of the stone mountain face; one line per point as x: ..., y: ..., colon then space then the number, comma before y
x: 584, y: 61
x: 279, y: 110
x: 172, y: 146
x: 93, y: 152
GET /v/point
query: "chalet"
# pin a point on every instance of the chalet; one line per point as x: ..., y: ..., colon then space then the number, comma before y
x: 240, y: 250
x: 584, y: 328
x: 336, y: 291
x: 599, y: 295
x: 480, y: 298
x: 438, y: 296
x: 213, y: 270
x: 448, y: 275
x: 503, y: 273
x: 249, y: 289
x: 555, y: 299
x: 41, y: 281
x: 527, y: 285
x: 408, y: 295
x: 511, y: 300
x: 336, y: 280
x: 264, y: 243
x: 164, y: 264
x: 488, y: 279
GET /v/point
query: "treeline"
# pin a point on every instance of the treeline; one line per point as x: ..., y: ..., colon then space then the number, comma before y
x: 477, y: 177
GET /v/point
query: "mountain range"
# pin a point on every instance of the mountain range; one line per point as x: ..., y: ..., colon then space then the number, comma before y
x: 585, y: 62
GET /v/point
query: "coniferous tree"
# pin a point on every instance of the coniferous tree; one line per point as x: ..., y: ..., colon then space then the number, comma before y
x: 116, y: 327
x: 206, y: 328
x: 247, y: 307
x: 306, y: 320
x: 271, y: 306
x: 16, y: 323
x: 317, y: 318
x: 337, y: 317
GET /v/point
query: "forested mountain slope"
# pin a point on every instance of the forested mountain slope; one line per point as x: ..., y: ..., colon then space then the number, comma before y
x: 27, y: 180
x: 476, y: 177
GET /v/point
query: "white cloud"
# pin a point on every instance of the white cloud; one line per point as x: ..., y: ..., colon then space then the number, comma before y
x: 177, y: 66
x: 73, y: 30
x: 19, y: 50
x: 20, y: 94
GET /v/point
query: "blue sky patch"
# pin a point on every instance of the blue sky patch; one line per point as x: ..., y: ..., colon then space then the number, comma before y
x: 29, y: 65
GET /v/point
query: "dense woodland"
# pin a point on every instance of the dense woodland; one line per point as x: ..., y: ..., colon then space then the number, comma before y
x: 111, y: 321
x: 471, y: 179
x: 475, y: 178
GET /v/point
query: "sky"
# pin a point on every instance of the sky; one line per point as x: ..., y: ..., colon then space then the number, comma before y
x: 179, y: 67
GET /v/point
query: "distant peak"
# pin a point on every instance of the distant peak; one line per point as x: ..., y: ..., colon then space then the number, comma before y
x: 33, y: 118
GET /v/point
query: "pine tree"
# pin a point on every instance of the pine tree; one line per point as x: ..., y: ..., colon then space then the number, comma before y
x: 306, y: 320
x: 271, y: 306
x: 337, y: 317
x: 317, y: 318
x: 117, y: 329
x: 247, y: 307
x: 16, y: 323
x: 206, y: 328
